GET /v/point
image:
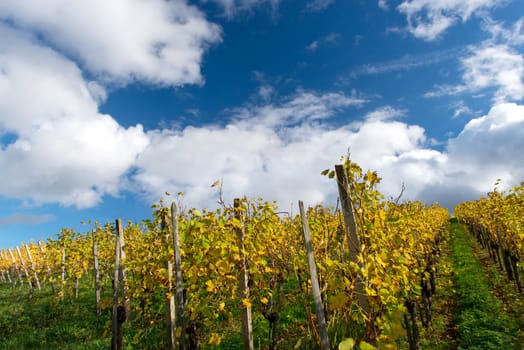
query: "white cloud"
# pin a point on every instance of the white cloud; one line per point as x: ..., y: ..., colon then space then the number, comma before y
x: 489, y: 66
x: 258, y: 157
x: 313, y: 46
x: 495, y: 66
x: 512, y: 36
x: 64, y: 150
x: 233, y: 8
x: 277, y: 151
x: 383, y: 114
x: 382, y: 4
x: 283, y: 162
x: 318, y: 5
x: 460, y: 108
x: 330, y: 39
x: 428, y: 19
x: 490, y: 147
x: 25, y: 219
x: 407, y: 62
x: 156, y: 41
x: 303, y: 106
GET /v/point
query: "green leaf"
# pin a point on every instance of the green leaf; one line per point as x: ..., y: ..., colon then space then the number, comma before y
x: 346, y: 344
x: 324, y: 172
x: 366, y: 346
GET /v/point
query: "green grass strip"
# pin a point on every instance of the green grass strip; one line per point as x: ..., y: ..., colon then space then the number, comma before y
x: 480, y: 321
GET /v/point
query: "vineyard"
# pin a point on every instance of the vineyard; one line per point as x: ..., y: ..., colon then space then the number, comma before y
x: 362, y: 275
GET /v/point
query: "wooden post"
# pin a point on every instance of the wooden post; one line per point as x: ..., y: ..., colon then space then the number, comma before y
x: 2, y: 260
x: 170, y: 309
x: 17, y: 269
x: 7, y: 268
x: 26, y: 273
x: 62, y: 296
x: 32, y: 266
x: 96, y: 272
x: 179, y: 288
x: 247, y: 327
x: 351, y: 234
x: 120, y: 311
x: 319, y: 309
x: 44, y: 257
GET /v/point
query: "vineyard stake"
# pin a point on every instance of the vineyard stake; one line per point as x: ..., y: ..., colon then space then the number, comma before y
x: 179, y: 293
x: 352, y: 238
x: 319, y: 310
x: 32, y: 265
x: 120, y: 312
x: 96, y: 272
x: 247, y: 327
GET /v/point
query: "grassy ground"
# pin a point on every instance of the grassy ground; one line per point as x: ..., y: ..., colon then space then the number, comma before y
x: 480, y: 317
x: 44, y: 323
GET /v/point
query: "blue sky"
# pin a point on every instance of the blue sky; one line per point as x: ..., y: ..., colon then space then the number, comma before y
x: 105, y: 106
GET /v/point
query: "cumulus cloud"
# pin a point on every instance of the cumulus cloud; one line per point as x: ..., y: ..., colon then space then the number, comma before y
x: 428, y: 19
x: 62, y: 150
x: 489, y: 65
x: 495, y: 66
x: 277, y: 151
x: 121, y: 41
x: 490, y: 147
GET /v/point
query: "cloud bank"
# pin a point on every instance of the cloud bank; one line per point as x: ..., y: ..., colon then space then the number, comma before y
x: 56, y: 67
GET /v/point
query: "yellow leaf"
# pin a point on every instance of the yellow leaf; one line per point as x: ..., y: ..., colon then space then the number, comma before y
x: 215, y: 339
x: 337, y: 301
x: 264, y: 301
x: 366, y: 346
x: 210, y: 286
x: 246, y: 302
x: 346, y: 344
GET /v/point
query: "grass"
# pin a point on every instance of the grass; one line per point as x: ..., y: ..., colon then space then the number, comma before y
x: 479, y: 316
x: 45, y: 323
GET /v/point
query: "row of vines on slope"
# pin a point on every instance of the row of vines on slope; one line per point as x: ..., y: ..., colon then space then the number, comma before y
x: 396, y: 262
x: 498, y: 222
